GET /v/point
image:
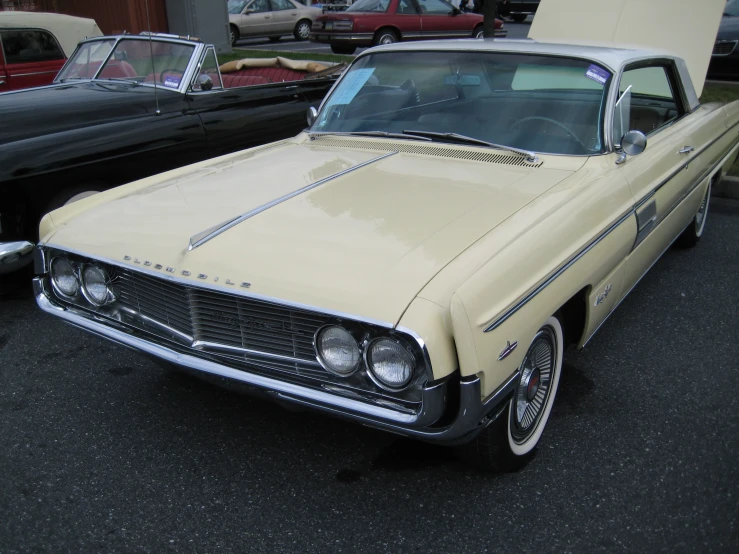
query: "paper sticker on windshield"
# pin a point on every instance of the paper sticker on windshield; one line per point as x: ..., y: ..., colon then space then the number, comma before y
x: 350, y: 86
x: 172, y: 81
x: 597, y: 74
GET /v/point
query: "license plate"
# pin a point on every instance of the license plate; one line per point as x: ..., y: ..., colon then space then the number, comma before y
x: 329, y: 25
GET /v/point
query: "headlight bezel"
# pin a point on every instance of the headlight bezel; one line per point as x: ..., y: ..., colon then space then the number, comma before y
x: 371, y: 371
x: 84, y: 285
x: 320, y: 357
x: 55, y: 285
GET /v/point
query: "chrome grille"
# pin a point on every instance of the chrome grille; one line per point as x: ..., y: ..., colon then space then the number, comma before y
x: 244, y: 331
x: 724, y: 47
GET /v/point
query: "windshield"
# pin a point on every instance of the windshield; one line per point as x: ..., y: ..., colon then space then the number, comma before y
x: 236, y: 6
x: 732, y: 8
x: 536, y: 103
x: 369, y: 6
x: 132, y: 60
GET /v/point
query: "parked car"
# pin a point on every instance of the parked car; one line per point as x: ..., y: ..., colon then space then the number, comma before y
x: 35, y: 46
x: 725, y: 57
x: 270, y: 18
x: 517, y: 10
x: 127, y: 107
x: 375, y: 22
x: 457, y: 214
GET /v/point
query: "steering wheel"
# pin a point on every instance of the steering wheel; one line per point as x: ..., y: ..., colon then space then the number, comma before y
x: 172, y: 70
x: 570, y: 133
x: 410, y: 87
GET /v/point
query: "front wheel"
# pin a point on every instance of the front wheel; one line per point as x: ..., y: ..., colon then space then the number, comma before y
x: 343, y: 49
x: 508, y: 443
x: 477, y: 32
x: 693, y: 232
x: 385, y: 36
x: 302, y: 30
x: 233, y: 34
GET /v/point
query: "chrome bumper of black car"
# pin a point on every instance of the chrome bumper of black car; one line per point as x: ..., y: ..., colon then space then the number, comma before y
x: 15, y: 255
x: 472, y: 414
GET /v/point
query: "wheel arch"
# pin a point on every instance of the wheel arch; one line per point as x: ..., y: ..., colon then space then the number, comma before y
x: 392, y: 28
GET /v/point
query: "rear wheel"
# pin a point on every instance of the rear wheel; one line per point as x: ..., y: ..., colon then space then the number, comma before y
x: 385, y: 36
x: 233, y: 34
x: 477, y: 32
x: 343, y: 49
x: 693, y: 233
x: 302, y: 30
x: 509, y: 442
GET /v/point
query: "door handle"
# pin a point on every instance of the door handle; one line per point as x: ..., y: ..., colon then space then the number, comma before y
x: 685, y: 150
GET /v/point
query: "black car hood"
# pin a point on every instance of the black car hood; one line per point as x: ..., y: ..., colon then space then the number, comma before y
x: 46, y: 110
x: 729, y: 28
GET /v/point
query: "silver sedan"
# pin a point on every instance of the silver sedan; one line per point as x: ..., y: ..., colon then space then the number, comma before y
x: 270, y: 18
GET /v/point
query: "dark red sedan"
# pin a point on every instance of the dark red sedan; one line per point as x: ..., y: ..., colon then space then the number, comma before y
x: 373, y: 22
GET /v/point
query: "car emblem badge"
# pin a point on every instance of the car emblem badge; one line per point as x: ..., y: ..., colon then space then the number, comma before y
x: 507, y: 350
x: 602, y: 296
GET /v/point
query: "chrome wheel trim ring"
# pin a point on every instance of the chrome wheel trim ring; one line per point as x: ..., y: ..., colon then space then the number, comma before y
x: 532, y: 395
x: 479, y: 34
x: 303, y: 30
x: 700, y: 217
x: 387, y: 38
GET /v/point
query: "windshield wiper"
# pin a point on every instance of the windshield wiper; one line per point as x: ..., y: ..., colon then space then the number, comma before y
x: 371, y: 134
x: 530, y: 156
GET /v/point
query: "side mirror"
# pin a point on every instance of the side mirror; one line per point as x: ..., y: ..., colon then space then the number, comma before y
x: 456, y: 11
x: 633, y: 143
x: 204, y: 83
x: 311, y: 116
x: 247, y: 12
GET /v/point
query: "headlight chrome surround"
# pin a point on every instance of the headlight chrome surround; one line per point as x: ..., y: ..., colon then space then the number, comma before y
x: 401, y: 349
x: 320, y: 348
x: 95, y: 285
x: 70, y: 292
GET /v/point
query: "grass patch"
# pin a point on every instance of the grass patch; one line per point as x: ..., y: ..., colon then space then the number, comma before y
x: 241, y: 54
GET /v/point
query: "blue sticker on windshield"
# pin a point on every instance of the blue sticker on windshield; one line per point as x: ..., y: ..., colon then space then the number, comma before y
x: 172, y: 81
x: 350, y: 86
x: 597, y: 74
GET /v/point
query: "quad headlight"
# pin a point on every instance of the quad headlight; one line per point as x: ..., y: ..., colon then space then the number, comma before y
x: 63, y: 277
x: 390, y: 364
x: 337, y: 350
x: 95, y: 285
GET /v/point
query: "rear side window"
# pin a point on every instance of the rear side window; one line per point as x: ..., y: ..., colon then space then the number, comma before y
x: 30, y: 45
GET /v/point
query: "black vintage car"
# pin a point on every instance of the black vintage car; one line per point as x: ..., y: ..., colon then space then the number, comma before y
x: 127, y: 107
x: 725, y: 57
x: 517, y: 10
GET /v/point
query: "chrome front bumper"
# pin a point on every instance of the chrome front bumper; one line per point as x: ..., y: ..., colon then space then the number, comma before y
x: 15, y: 255
x: 472, y: 416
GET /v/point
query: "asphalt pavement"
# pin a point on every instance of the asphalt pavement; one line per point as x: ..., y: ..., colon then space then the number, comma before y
x: 103, y: 451
x: 289, y: 44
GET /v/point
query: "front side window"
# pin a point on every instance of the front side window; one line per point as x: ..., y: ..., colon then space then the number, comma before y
x: 369, y: 6
x: 259, y: 6
x: 141, y: 61
x: 406, y: 7
x: 208, y: 77
x: 235, y: 7
x: 646, y: 102
x: 435, y: 7
x: 30, y: 45
x: 537, y: 103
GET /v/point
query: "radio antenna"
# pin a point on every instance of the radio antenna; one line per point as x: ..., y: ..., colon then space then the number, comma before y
x: 151, y: 53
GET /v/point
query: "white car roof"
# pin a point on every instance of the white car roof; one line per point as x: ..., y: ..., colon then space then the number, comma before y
x: 613, y: 58
x: 68, y: 30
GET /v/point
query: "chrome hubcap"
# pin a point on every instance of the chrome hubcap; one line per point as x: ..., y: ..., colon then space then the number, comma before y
x: 304, y: 30
x: 387, y: 39
x: 532, y: 393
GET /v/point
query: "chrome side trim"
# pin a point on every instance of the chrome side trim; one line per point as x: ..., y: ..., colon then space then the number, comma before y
x: 208, y: 234
x: 30, y: 74
x: 526, y: 299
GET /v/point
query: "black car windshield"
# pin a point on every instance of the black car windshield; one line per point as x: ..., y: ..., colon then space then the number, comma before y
x: 236, y: 6
x: 732, y: 8
x: 369, y: 6
x: 133, y: 60
x: 536, y: 103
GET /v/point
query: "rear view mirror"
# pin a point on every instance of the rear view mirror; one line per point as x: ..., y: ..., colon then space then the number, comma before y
x: 311, y: 116
x: 203, y: 83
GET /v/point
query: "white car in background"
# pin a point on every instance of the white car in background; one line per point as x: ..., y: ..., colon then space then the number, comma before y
x: 270, y: 18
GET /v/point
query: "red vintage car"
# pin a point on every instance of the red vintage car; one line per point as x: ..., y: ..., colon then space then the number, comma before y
x: 373, y: 22
x: 35, y: 46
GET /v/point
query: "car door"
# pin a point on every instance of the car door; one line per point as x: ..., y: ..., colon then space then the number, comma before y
x: 438, y: 20
x: 651, y: 101
x: 256, y: 19
x: 408, y: 19
x: 284, y: 16
x: 33, y: 57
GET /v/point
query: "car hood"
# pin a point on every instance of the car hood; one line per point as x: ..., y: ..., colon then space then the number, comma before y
x: 30, y: 113
x: 363, y: 242
x: 729, y: 28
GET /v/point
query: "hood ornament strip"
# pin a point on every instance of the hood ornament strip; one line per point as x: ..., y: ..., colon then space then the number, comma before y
x: 208, y: 234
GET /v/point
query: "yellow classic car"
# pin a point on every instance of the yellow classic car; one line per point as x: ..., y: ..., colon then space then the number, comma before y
x: 418, y: 259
